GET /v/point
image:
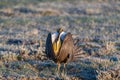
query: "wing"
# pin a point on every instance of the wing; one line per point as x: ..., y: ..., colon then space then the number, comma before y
x: 48, y: 49
x: 66, y: 49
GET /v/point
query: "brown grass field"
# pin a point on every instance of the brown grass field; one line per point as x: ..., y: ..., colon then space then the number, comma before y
x: 25, y: 24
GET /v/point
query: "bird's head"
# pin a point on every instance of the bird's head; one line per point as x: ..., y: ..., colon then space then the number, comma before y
x: 59, y: 30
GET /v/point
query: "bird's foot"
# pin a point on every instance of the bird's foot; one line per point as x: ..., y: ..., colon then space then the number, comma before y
x: 63, y: 74
x: 58, y: 74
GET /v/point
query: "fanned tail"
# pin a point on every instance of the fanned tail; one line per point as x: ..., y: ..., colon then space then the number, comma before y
x: 78, y: 51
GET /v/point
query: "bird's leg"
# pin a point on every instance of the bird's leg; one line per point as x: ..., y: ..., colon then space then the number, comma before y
x: 58, y: 69
x: 64, y: 70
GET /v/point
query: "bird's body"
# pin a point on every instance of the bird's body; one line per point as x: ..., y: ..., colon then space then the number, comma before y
x: 60, y: 47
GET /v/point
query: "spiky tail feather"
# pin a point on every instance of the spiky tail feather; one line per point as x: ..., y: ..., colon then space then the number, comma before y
x: 78, y: 52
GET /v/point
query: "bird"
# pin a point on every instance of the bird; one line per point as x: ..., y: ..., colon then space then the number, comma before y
x: 60, y: 48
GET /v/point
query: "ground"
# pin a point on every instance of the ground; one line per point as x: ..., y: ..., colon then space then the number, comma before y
x: 25, y: 24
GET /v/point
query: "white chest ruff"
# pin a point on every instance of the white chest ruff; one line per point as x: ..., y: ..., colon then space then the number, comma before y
x: 55, y: 35
x: 62, y: 35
